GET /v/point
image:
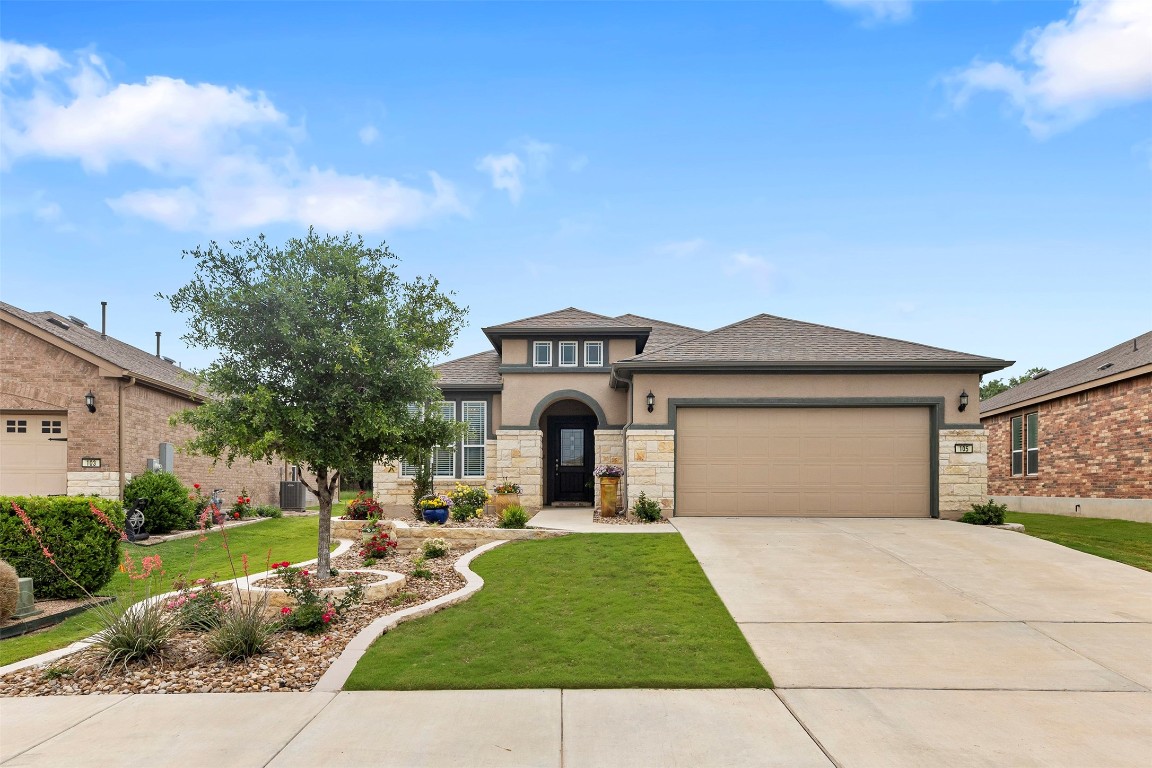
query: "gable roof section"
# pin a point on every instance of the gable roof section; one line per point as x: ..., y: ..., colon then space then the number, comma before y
x: 570, y: 320
x: 132, y: 361
x: 663, y: 334
x: 770, y: 342
x: 1132, y: 357
x: 478, y: 371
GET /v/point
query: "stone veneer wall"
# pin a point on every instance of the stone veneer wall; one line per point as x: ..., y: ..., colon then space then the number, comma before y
x: 94, y: 483
x: 650, y: 467
x: 411, y: 538
x: 963, y: 476
x: 610, y: 450
x: 520, y: 459
x: 392, y: 490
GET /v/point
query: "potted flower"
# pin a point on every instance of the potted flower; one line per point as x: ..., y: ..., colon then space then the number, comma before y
x: 506, y: 494
x: 434, y: 508
x: 609, y: 475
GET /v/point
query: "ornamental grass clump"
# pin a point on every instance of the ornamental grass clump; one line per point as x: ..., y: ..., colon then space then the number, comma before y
x: 9, y: 590
x: 243, y: 630
x: 513, y: 517
x: 144, y: 629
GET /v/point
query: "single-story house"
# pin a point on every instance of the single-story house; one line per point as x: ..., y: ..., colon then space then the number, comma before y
x: 767, y: 416
x: 82, y: 412
x: 1077, y: 440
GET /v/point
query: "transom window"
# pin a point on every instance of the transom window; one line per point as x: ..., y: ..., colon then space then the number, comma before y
x: 569, y: 354
x: 593, y: 353
x: 1026, y: 444
x: 541, y: 353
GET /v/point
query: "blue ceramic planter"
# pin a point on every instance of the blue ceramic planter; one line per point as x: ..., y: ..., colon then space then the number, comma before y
x: 437, y: 515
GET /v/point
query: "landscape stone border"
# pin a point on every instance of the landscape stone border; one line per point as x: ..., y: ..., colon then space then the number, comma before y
x: 337, y: 675
x: 387, y: 584
x: 411, y: 538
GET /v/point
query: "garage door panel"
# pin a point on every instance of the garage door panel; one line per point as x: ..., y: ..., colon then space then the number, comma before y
x: 33, y: 454
x: 803, y: 461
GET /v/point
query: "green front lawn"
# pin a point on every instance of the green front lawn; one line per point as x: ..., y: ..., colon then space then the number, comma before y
x: 581, y: 611
x: 339, y: 507
x: 1121, y: 540
x: 292, y: 539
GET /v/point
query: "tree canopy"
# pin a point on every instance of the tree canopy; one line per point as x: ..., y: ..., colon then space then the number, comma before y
x: 996, y: 386
x: 321, y: 348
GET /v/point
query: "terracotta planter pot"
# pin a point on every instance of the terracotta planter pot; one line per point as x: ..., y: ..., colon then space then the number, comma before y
x: 501, y: 501
x: 609, y: 496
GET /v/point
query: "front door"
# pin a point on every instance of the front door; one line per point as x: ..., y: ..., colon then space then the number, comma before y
x: 570, y: 449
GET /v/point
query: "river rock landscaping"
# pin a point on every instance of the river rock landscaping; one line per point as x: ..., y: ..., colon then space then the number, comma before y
x: 294, y: 661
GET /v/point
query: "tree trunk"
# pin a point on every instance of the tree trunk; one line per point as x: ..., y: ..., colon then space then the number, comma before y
x: 324, y: 540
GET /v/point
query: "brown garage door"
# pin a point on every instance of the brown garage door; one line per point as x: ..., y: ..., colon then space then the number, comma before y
x: 807, y: 462
x: 33, y: 454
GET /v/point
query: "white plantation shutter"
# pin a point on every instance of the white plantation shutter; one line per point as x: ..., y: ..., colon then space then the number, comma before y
x: 406, y: 469
x: 444, y: 459
x: 474, y: 414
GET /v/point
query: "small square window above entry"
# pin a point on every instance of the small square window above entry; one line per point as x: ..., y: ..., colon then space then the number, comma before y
x: 541, y: 353
x: 593, y: 353
x: 569, y: 351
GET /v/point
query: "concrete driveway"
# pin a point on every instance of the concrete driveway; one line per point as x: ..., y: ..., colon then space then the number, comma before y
x: 921, y: 642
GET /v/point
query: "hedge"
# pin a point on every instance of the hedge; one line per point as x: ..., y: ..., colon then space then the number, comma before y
x: 83, y: 546
x: 169, y: 506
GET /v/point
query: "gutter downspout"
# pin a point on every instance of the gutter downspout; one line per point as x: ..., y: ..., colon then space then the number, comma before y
x: 120, y: 428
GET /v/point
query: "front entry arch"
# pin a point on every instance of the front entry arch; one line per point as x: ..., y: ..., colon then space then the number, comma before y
x: 569, y: 452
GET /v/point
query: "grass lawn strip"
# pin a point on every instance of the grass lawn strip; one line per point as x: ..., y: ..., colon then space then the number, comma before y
x: 582, y: 611
x: 292, y: 539
x: 1124, y: 541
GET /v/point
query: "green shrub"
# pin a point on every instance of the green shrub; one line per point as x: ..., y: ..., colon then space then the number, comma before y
x: 9, y: 591
x: 462, y: 513
x: 268, y: 510
x: 646, y: 509
x: 169, y: 506
x: 435, y: 547
x: 513, y: 516
x: 84, y: 547
x: 986, y: 514
x: 243, y: 631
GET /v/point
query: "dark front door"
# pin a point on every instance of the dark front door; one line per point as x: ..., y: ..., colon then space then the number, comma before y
x: 570, y: 449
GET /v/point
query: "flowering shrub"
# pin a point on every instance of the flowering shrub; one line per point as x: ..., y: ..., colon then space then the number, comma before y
x: 377, y: 547
x: 474, y: 497
x: 141, y: 631
x: 608, y: 470
x: 199, y: 606
x: 439, y: 501
x: 363, y: 507
x: 507, y: 487
x: 312, y: 612
x: 242, y: 507
x: 435, y: 547
x: 83, y: 536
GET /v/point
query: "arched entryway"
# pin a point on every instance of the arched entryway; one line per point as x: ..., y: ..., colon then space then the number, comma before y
x: 569, y: 427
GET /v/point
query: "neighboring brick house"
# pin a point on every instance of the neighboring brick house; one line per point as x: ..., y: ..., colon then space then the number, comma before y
x: 767, y: 416
x: 53, y: 442
x: 1077, y: 440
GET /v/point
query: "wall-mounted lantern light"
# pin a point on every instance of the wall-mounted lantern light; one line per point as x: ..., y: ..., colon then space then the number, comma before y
x: 90, y: 401
x: 963, y: 400
x: 651, y: 399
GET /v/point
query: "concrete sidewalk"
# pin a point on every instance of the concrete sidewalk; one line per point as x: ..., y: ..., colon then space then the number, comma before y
x: 409, y: 729
x: 580, y: 520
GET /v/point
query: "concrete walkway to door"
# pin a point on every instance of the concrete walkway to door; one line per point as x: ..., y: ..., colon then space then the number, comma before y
x: 581, y: 520
x: 928, y: 642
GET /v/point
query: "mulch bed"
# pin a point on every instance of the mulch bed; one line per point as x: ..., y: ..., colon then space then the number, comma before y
x: 621, y: 519
x: 294, y: 661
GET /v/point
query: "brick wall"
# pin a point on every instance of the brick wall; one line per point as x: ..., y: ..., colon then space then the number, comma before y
x: 1093, y: 444
x: 39, y: 376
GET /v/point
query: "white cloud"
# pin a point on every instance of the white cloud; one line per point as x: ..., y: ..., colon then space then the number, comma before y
x: 225, y: 152
x: 35, y: 60
x: 1072, y: 69
x: 507, y: 173
x: 753, y: 268
x: 878, y: 11
x: 368, y: 135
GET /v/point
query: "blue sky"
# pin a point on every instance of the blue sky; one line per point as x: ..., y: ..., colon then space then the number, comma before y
x: 976, y: 176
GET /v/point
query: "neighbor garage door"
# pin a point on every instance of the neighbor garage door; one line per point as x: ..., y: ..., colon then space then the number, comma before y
x: 33, y: 454
x: 808, y: 462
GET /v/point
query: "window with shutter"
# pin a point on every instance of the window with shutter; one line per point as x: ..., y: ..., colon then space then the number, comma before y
x: 474, y: 414
x: 444, y: 459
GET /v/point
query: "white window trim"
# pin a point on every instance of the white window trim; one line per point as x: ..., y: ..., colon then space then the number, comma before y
x: 600, y: 346
x: 1029, y: 449
x: 451, y: 449
x: 482, y: 444
x: 575, y: 345
x: 535, y: 361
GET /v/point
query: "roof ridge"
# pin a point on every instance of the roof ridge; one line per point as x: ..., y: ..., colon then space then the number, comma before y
x: 661, y: 322
x: 870, y: 335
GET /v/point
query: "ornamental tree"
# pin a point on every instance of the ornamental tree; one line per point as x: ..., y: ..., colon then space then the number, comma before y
x: 321, y: 348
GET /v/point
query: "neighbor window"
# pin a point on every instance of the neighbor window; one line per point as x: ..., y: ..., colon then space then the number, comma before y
x: 594, y: 353
x: 541, y: 353
x: 474, y: 414
x: 1026, y: 444
x: 568, y: 354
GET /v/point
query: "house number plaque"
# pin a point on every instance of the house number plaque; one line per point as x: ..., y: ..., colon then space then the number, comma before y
x: 963, y: 447
x: 89, y: 463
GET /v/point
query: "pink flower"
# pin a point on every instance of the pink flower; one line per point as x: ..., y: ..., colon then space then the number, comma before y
x: 285, y: 611
x: 244, y: 559
x: 304, y: 572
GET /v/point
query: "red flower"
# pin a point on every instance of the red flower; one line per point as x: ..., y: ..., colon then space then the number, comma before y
x: 285, y: 611
x: 196, y: 486
x: 304, y: 572
x: 275, y: 566
x: 236, y: 515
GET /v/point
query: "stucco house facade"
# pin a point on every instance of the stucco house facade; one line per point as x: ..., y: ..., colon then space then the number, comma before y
x: 764, y: 417
x: 1077, y: 440
x: 82, y: 412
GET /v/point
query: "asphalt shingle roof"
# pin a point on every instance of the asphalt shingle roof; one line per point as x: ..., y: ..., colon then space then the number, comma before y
x: 770, y: 339
x: 663, y: 334
x: 481, y: 369
x: 561, y: 319
x: 1133, y: 353
x: 135, y: 361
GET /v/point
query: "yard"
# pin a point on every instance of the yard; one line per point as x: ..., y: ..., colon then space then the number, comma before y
x: 292, y: 539
x: 581, y: 611
x: 1121, y: 540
